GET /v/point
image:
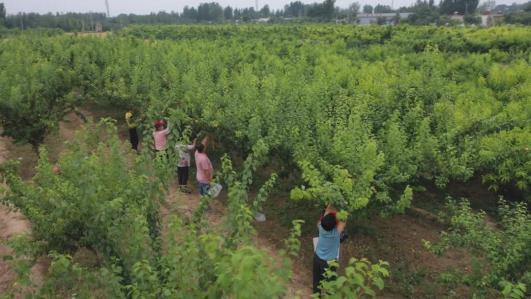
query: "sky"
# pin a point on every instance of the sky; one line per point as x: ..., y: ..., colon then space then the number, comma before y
x: 147, y: 6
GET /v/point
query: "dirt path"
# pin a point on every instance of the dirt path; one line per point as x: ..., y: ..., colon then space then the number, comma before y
x: 181, y: 203
x: 11, y: 223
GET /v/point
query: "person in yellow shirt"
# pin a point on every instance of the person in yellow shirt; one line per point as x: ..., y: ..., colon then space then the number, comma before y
x: 133, y: 134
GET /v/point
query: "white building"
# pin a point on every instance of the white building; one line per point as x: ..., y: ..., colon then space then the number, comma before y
x: 382, y: 18
x: 460, y: 19
x: 262, y: 20
x: 488, y: 20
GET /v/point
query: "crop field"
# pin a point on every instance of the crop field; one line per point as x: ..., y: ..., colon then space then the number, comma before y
x: 419, y: 136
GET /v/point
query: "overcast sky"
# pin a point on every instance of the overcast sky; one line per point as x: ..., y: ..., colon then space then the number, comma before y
x: 147, y: 6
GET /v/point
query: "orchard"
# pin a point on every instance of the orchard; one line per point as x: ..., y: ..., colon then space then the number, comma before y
x: 360, y: 118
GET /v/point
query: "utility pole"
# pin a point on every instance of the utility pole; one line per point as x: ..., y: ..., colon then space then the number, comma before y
x: 256, y: 4
x: 107, y: 6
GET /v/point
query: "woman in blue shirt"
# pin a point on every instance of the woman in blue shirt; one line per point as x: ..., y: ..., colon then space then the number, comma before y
x: 327, y: 248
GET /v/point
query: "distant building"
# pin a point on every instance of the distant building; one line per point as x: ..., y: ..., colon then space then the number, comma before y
x: 98, y: 27
x: 457, y: 18
x: 390, y: 18
x: 488, y: 19
x: 262, y: 20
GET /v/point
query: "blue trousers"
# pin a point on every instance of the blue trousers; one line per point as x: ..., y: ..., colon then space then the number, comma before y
x: 203, y: 189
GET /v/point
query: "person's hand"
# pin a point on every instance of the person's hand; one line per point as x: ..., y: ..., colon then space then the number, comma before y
x: 330, y: 209
x: 341, y: 226
x: 56, y: 169
x: 205, y: 142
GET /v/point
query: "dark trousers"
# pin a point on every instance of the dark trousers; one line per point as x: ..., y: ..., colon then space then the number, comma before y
x: 182, y: 175
x: 163, y: 154
x: 319, y: 269
x: 133, y: 137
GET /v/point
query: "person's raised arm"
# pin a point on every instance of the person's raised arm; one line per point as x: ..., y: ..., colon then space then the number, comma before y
x: 167, y: 130
x: 205, y: 142
x: 330, y: 209
x: 127, y: 118
x: 191, y: 147
x: 341, y: 226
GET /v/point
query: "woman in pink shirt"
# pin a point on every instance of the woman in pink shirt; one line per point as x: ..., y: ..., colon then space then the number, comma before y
x: 205, y: 171
x: 160, y: 136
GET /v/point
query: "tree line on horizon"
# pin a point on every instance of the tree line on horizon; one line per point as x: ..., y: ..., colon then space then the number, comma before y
x: 423, y: 12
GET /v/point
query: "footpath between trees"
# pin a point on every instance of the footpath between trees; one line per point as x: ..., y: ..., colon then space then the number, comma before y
x: 185, y: 204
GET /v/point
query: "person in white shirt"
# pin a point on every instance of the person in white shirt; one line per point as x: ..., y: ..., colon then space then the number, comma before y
x: 183, y: 166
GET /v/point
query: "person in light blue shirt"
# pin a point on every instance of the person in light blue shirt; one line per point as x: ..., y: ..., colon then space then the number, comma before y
x: 327, y: 249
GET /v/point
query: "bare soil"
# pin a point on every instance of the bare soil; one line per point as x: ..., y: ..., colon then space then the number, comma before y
x: 415, y: 272
x: 11, y: 224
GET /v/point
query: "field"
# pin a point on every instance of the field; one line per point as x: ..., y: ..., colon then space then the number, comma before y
x: 395, y: 126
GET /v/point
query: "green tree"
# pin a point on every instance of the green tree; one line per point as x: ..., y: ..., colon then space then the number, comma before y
x: 423, y: 14
x: 189, y: 14
x: 367, y: 8
x: 460, y: 6
x: 227, y: 13
x: 323, y: 11
x: 38, y: 97
x: 382, y: 8
x: 521, y: 16
x: 2, y: 14
x: 353, y: 10
x: 294, y: 9
x: 209, y: 12
x: 265, y: 11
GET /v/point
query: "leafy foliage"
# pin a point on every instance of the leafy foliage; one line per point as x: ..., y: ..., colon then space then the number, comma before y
x: 95, y: 200
x: 37, y: 96
x: 361, y: 279
x: 361, y: 112
x: 503, y: 252
x: 104, y: 193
